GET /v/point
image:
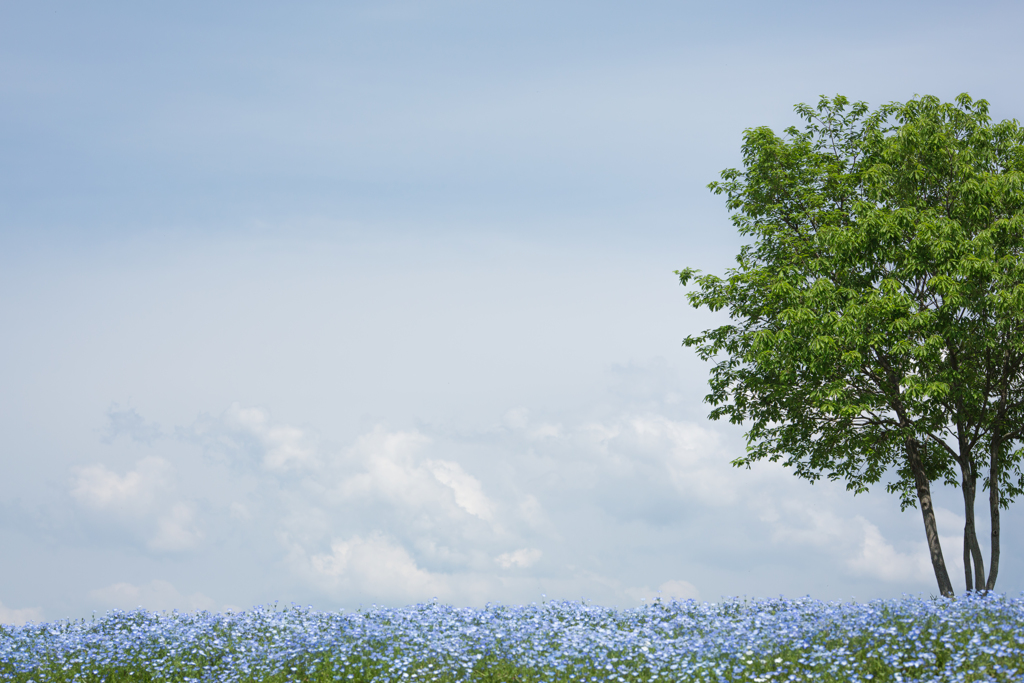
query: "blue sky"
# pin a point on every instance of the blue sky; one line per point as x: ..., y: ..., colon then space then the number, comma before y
x: 350, y: 303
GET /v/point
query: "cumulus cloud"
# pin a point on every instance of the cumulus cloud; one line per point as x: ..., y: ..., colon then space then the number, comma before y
x: 18, y: 617
x: 97, y: 487
x: 469, y: 494
x: 681, y: 590
x: 857, y: 544
x: 524, y: 557
x: 877, y: 558
x: 157, y: 595
x: 141, y: 500
x: 800, y: 521
x: 399, y: 522
x: 384, y: 518
x: 374, y: 565
x: 176, y: 529
x: 635, y: 446
x: 674, y: 589
x: 518, y: 419
x: 284, y: 446
x: 532, y: 512
x: 692, y: 458
x: 612, y: 506
x: 247, y: 435
x: 387, y: 465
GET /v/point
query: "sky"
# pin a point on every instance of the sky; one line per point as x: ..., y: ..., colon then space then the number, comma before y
x: 354, y: 303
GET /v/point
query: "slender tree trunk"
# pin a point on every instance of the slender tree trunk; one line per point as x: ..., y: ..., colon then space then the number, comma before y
x: 968, y: 579
x: 979, y: 562
x: 924, y: 496
x: 995, y: 461
x: 972, y: 551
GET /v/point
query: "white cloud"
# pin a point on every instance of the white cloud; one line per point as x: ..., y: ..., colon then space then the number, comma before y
x: 373, y: 565
x: 18, y: 617
x: 678, y: 589
x: 546, y: 431
x: 283, y: 447
x: 855, y: 542
x: 522, y: 558
x: 247, y: 435
x: 532, y: 512
x: 469, y: 494
x: 99, y: 488
x: 947, y: 520
x: 390, y: 519
x: 692, y: 458
x: 140, y: 501
x: 157, y: 595
x: 518, y: 419
x: 877, y: 558
x: 390, y: 468
x: 383, y: 507
x: 681, y: 590
x: 176, y: 529
x: 429, y: 509
x: 800, y: 521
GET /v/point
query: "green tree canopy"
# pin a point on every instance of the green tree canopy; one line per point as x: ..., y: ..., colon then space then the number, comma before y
x: 877, y: 314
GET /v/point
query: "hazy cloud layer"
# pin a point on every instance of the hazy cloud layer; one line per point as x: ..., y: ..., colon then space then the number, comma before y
x: 621, y: 508
x: 360, y: 302
x: 20, y: 616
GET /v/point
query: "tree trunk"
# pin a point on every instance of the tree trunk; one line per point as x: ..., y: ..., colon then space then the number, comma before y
x: 995, y: 461
x: 924, y: 496
x: 969, y: 486
x: 968, y: 580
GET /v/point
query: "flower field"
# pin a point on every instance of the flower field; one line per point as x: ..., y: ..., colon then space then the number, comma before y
x: 967, y: 639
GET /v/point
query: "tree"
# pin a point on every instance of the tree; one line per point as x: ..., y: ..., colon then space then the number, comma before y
x: 877, y: 315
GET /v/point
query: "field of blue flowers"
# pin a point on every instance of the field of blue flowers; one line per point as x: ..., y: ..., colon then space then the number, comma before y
x: 967, y: 639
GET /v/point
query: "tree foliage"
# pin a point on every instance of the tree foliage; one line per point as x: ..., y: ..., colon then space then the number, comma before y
x: 877, y: 313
